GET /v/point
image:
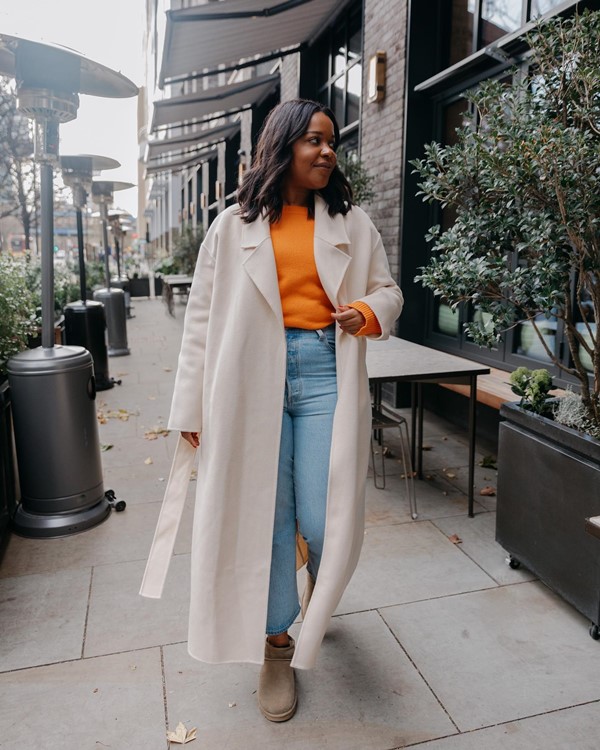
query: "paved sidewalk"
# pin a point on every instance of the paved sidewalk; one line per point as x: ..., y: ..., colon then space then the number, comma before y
x: 436, y: 644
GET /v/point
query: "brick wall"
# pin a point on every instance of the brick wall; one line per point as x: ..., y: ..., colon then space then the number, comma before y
x: 382, y: 144
x: 290, y: 77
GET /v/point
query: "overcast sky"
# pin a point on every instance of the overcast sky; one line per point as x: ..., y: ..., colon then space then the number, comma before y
x: 109, y: 32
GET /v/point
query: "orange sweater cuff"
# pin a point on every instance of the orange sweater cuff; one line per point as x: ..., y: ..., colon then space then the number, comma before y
x: 371, y: 326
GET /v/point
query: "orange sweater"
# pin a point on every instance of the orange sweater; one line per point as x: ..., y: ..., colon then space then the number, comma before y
x: 303, y: 299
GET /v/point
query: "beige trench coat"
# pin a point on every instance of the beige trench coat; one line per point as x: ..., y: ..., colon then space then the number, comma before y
x: 230, y: 387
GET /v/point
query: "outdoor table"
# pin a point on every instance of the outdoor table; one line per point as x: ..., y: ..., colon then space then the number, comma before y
x: 395, y: 360
x: 178, y: 281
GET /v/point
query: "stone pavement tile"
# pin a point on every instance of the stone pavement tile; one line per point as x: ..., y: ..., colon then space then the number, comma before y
x: 500, y: 655
x: 111, y: 702
x: 134, y: 451
x: 123, y: 536
x: 568, y: 729
x: 119, y: 619
x: 42, y: 618
x: 390, y: 505
x: 478, y: 543
x: 364, y: 694
x: 409, y: 562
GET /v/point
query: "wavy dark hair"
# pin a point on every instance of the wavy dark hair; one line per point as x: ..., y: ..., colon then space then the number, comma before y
x: 262, y: 187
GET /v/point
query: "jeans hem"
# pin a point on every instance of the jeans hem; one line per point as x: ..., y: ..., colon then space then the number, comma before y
x: 285, y: 628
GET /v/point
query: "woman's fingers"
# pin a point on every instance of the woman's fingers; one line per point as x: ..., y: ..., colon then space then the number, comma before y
x: 349, y: 319
x: 192, y: 438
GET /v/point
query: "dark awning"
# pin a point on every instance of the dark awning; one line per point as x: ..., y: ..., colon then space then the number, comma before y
x: 212, y: 34
x: 177, y: 165
x: 227, y: 99
x: 199, y: 139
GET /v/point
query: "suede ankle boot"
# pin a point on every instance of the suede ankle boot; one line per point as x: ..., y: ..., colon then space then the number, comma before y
x: 308, y: 591
x: 277, y: 697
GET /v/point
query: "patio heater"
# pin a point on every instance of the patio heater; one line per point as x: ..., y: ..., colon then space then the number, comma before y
x: 111, y: 297
x: 53, y: 388
x: 85, y: 321
x: 121, y: 280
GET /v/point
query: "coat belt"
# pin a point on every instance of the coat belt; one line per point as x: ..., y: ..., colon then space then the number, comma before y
x: 161, y: 551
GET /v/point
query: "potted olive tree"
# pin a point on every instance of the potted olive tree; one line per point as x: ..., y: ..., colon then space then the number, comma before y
x: 523, y: 180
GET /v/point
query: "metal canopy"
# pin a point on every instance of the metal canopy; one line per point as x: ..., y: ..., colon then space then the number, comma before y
x: 105, y: 188
x: 58, y: 68
x: 229, y: 99
x: 87, y: 163
x: 177, y: 165
x: 201, y: 138
x: 208, y: 35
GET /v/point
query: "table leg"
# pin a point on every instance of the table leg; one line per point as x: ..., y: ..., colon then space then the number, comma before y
x: 472, y: 425
x: 413, y: 424
x: 420, y: 430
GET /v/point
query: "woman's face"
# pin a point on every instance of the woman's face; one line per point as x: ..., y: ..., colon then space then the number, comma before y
x: 313, y: 156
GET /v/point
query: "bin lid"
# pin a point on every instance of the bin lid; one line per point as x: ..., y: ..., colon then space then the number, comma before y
x: 44, y: 360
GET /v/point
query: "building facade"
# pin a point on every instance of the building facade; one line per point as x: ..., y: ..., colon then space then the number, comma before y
x: 423, y: 55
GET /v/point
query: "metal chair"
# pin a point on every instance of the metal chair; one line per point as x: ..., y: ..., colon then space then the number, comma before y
x: 382, y: 419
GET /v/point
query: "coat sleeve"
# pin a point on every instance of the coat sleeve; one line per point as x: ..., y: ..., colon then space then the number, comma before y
x: 186, y: 407
x: 383, y: 294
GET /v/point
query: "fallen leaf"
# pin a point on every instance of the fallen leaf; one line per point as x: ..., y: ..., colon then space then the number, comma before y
x: 106, y: 447
x: 488, y: 462
x: 455, y: 539
x: 488, y: 491
x: 181, y: 735
x: 155, y: 432
x: 148, y: 461
x: 95, y: 690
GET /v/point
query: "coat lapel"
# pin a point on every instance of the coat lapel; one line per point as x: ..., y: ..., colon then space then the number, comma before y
x: 259, y: 262
x: 331, y: 256
x: 331, y: 251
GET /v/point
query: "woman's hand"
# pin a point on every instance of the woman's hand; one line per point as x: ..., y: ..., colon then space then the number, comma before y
x: 349, y: 319
x: 192, y: 438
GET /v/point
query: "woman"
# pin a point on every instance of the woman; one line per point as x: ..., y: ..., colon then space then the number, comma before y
x: 272, y: 390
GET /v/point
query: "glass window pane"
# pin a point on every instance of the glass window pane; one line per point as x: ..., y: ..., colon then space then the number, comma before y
x: 527, y: 341
x: 355, y: 35
x: 337, y: 104
x: 543, y: 6
x: 339, y: 50
x: 446, y: 320
x: 354, y: 90
x: 499, y: 17
x: 589, y: 330
x: 461, y: 34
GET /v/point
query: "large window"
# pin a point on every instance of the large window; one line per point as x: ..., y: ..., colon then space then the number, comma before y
x: 332, y: 72
x: 477, y: 23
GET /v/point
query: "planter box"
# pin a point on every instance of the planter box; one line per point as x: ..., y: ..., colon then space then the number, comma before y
x: 8, y: 487
x: 139, y: 287
x: 548, y: 484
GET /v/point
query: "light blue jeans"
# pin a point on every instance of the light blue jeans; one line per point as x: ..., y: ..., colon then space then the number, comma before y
x: 309, y: 404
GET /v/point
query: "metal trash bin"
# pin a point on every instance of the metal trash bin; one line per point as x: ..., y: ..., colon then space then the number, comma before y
x: 58, y: 447
x: 116, y: 320
x: 85, y: 325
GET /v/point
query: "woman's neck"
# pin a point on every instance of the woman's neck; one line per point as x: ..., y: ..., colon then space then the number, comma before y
x: 294, y: 196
